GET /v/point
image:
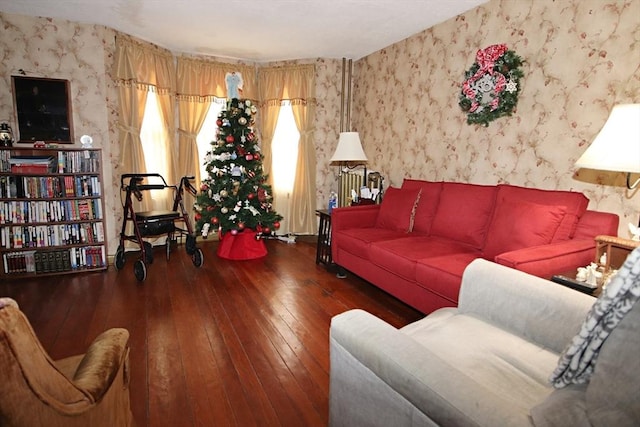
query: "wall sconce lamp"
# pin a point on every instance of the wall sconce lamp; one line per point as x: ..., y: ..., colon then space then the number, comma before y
x: 617, y: 147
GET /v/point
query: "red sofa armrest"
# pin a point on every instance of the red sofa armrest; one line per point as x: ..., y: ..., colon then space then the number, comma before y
x: 354, y: 217
x: 546, y: 260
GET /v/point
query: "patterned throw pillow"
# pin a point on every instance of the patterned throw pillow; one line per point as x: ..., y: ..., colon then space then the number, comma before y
x: 577, y: 362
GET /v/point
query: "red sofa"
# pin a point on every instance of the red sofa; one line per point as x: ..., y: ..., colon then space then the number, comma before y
x: 418, y: 241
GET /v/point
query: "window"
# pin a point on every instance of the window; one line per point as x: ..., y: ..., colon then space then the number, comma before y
x: 153, y: 135
x: 284, y: 155
x: 207, y: 134
x: 284, y: 150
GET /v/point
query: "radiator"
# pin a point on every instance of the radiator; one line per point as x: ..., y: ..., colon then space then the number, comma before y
x: 348, y: 181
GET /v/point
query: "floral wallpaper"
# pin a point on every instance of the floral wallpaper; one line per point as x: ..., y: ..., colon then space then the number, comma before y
x: 82, y: 54
x: 581, y: 58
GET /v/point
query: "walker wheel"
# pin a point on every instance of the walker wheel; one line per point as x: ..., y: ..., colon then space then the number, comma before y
x: 148, y: 252
x: 119, y: 258
x: 190, y: 244
x: 197, y: 258
x: 140, y: 270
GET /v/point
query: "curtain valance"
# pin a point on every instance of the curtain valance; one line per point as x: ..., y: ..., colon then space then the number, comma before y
x: 145, y: 66
x: 201, y: 80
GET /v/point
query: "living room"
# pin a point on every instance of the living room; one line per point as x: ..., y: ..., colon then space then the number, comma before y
x: 580, y: 59
x: 405, y: 97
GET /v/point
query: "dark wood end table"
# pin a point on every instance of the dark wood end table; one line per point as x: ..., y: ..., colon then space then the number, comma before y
x: 323, y: 249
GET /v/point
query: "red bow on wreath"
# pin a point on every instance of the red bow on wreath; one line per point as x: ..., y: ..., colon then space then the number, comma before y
x: 486, y: 59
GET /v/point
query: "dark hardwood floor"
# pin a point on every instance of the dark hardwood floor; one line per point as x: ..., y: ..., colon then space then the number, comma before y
x: 231, y: 343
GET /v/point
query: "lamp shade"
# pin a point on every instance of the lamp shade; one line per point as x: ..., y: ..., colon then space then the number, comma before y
x: 617, y: 147
x: 349, y: 148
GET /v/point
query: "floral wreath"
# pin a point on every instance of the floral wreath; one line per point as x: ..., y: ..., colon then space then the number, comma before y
x: 490, y: 89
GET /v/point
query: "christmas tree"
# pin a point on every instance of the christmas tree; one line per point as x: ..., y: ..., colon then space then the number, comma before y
x: 235, y: 196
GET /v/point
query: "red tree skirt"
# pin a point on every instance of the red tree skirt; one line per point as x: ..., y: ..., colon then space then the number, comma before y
x: 241, y: 246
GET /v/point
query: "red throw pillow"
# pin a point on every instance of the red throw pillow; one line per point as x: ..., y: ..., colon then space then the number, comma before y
x: 518, y: 225
x: 464, y: 212
x: 397, y: 209
x: 574, y: 202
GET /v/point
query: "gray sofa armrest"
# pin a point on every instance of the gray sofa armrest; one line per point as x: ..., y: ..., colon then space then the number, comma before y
x: 381, y: 377
x: 539, y: 310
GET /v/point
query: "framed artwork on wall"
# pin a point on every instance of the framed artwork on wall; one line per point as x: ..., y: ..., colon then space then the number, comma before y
x: 43, y: 110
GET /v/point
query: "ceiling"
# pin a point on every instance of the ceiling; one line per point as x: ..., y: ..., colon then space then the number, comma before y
x: 257, y: 30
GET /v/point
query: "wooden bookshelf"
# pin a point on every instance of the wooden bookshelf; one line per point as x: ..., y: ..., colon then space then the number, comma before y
x: 51, y: 211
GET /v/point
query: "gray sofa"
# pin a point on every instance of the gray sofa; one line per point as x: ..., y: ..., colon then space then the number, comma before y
x: 485, y: 363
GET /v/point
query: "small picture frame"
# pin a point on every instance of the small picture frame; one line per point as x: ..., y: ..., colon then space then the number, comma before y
x: 43, y: 110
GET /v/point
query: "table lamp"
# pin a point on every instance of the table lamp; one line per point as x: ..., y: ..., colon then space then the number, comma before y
x: 349, y: 153
x: 349, y: 149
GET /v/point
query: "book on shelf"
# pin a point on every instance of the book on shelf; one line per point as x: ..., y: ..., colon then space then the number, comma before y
x: 32, y: 164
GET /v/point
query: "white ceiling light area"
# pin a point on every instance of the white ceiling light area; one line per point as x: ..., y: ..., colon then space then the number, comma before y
x: 257, y: 30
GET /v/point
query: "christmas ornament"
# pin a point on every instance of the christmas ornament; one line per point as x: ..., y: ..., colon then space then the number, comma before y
x: 229, y: 139
x: 242, y: 121
x: 214, y: 220
x: 250, y: 196
x: 234, y: 232
x: 197, y: 216
x: 241, y: 225
x: 224, y: 210
x: 223, y: 193
x: 205, y: 230
x: 276, y: 225
x: 204, y: 187
x: 249, y: 157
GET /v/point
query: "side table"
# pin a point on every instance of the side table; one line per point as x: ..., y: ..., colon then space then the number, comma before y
x: 616, y: 250
x: 323, y: 249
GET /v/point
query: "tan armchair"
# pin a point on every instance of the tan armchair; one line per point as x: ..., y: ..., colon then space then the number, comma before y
x: 84, y: 390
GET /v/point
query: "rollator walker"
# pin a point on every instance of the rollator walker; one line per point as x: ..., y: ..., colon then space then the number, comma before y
x: 173, y: 223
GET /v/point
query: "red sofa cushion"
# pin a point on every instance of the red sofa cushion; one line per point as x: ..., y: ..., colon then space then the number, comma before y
x: 357, y: 240
x: 464, y: 212
x: 443, y: 275
x: 400, y: 255
x: 574, y: 202
x: 427, y: 203
x: 518, y: 224
x: 397, y: 209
